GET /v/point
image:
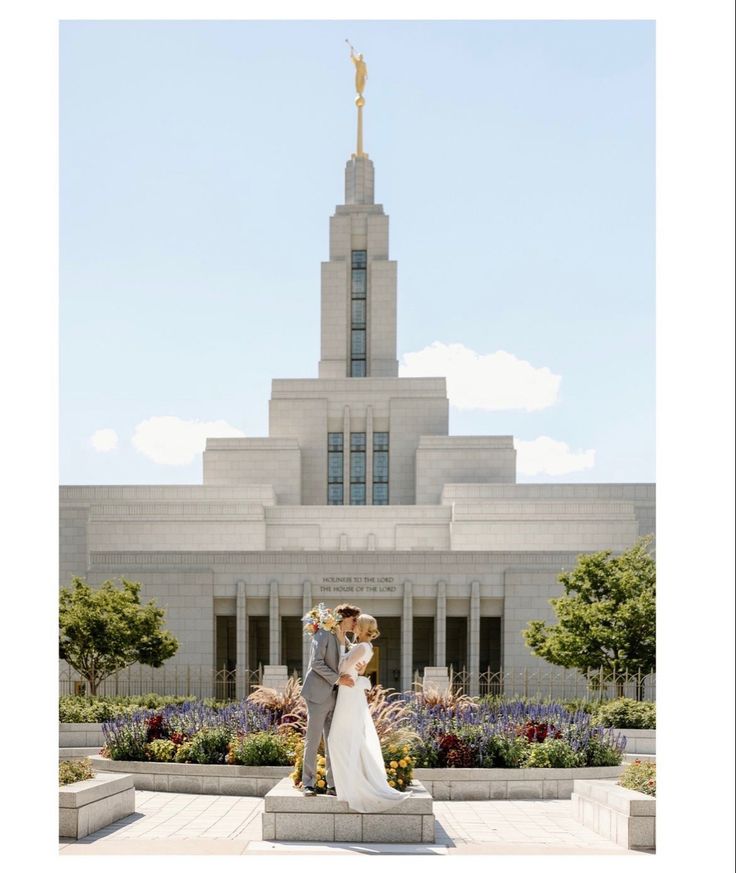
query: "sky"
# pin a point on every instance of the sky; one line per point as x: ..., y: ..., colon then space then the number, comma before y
x: 200, y: 162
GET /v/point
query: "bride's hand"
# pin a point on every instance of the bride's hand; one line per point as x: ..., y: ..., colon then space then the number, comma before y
x: 360, y: 667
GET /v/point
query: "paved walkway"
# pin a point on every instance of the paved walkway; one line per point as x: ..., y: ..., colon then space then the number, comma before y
x: 204, y: 824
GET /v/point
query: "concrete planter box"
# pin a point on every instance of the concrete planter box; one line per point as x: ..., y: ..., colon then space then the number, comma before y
x: 290, y: 816
x: 619, y: 814
x: 77, y: 753
x: 87, y: 806
x: 529, y: 783
x: 230, y: 779
x: 638, y: 741
x: 80, y: 734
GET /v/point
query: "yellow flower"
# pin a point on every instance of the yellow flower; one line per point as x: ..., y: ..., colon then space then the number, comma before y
x: 329, y: 623
x: 394, y: 765
x: 402, y: 763
x: 406, y: 750
x: 320, y: 783
x: 392, y: 749
x: 401, y: 781
x: 391, y: 783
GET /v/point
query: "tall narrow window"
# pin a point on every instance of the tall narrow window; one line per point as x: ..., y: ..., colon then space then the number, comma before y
x: 357, y: 469
x: 358, y: 285
x: 335, y: 481
x: 380, y: 468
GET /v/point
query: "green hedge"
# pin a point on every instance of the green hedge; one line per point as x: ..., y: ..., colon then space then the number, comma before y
x: 626, y: 713
x: 78, y: 709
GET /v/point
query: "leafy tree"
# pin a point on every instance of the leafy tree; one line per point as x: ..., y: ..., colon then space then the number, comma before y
x: 106, y: 629
x: 606, y: 618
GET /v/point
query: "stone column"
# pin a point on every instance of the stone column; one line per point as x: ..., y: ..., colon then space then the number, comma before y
x: 241, y: 631
x: 369, y: 456
x: 407, y: 638
x: 306, y: 606
x: 346, y: 450
x: 274, y: 624
x: 474, y: 639
x: 440, y: 626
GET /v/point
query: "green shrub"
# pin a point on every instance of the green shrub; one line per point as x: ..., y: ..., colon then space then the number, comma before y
x: 75, y: 771
x: 504, y: 751
x: 209, y: 746
x: 261, y: 749
x: 601, y: 754
x: 626, y: 713
x: 550, y: 753
x: 77, y: 708
x: 425, y: 752
x: 640, y: 776
x: 182, y: 753
x: 161, y: 750
x: 129, y: 743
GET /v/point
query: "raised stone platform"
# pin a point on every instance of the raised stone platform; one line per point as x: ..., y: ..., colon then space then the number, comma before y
x: 627, y: 817
x: 289, y: 815
x: 87, y: 806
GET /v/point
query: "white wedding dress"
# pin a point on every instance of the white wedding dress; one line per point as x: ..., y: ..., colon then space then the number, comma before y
x: 358, y: 771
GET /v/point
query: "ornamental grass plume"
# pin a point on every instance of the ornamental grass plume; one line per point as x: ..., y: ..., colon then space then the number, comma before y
x: 288, y: 707
x: 449, y: 700
x: 390, y: 713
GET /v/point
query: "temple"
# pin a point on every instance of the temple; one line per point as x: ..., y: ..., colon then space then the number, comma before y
x: 359, y: 493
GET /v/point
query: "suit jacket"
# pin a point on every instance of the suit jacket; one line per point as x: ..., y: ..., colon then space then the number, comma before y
x: 324, y: 667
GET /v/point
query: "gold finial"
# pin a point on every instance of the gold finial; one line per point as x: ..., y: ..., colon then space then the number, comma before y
x: 361, y: 74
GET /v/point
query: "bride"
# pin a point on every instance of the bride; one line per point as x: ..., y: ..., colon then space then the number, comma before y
x: 358, y: 770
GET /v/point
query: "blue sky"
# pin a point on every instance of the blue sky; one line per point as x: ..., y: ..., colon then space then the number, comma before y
x: 199, y: 164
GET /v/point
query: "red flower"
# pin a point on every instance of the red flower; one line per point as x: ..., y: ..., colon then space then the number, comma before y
x: 155, y: 728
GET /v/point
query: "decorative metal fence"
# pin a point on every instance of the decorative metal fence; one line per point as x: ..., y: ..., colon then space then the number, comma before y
x: 186, y: 681
x: 558, y: 684
x: 203, y: 682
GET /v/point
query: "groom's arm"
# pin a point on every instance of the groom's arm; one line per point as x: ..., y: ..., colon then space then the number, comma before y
x: 318, y: 664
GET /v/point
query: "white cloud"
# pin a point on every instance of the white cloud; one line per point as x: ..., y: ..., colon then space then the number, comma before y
x: 545, y: 455
x: 495, y: 381
x: 167, y: 439
x: 104, y: 440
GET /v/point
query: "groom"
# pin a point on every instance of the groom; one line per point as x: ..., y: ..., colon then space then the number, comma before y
x: 320, y: 692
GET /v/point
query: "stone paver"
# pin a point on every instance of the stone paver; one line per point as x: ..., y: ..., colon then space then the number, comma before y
x: 168, y: 823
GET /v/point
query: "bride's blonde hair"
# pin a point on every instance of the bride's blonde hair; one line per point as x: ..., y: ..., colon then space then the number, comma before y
x: 367, y: 624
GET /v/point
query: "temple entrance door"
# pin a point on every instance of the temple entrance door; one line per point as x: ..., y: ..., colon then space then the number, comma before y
x: 385, y: 666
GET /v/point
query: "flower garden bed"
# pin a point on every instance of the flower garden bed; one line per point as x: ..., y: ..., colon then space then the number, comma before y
x: 460, y: 748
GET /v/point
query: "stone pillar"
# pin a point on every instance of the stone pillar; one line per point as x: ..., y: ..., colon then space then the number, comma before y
x: 440, y: 626
x: 306, y: 606
x: 346, y: 450
x: 436, y: 679
x: 369, y: 454
x: 474, y: 639
x: 407, y: 638
x: 275, y: 677
x: 274, y: 625
x: 241, y: 631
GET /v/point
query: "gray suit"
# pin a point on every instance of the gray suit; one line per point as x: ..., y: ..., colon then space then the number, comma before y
x: 320, y: 692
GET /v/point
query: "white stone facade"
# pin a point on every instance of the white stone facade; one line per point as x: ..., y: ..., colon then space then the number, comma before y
x: 451, y: 555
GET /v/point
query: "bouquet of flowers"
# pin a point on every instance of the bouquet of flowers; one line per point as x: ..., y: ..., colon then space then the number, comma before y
x: 319, y: 617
